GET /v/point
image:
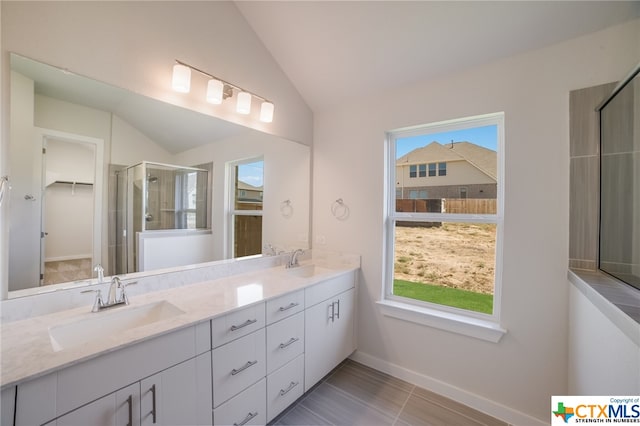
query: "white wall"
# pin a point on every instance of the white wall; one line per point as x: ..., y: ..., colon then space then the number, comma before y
x: 602, y: 359
x: 24, y: 230
x: 133, y: 45
x: 519, y: 374
x: 129, y: 146
x: 286, y: 177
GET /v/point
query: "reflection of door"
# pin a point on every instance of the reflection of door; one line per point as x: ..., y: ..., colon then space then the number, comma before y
x: 67, y: 210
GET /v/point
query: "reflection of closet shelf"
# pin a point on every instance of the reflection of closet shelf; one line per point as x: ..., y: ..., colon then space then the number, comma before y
x: 168, y: 210
x: 68, y: 182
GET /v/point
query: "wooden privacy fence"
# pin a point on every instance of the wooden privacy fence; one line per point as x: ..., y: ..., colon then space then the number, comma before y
x: 448, y: 205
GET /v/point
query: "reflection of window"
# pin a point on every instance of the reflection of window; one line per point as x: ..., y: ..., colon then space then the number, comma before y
x: 444, y: 255
x: 246, y: 215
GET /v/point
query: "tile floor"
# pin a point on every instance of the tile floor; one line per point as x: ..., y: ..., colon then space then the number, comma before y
x: 67, y: 270
x: 354, y: 394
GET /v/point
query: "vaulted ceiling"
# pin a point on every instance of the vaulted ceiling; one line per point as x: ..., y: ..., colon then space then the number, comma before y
x: 333, y: 51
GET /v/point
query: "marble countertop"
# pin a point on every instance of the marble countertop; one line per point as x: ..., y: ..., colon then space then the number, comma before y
x: 26, y: 347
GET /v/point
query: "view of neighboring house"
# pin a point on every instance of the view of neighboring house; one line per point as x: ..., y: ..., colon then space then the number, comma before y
x: 453, y: 170
x: 248, y: 193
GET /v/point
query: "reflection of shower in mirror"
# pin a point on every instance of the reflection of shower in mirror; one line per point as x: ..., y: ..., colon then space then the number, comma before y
x: 158, y: 197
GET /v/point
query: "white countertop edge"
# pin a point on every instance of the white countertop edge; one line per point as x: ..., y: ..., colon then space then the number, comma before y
x: 64, y: 359
x: 626, y: 324
x: 467, y: 326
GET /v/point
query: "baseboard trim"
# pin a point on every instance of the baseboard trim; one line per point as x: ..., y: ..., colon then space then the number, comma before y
x: 474, y: 401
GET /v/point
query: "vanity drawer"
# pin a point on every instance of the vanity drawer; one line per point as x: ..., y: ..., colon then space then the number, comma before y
x: 238, y: 365
x: 247, y: 408
x: 285, y: 306
x: 285, y: 341
x: 329, y: 288
x: 236, y: 324
x: 284, y: 386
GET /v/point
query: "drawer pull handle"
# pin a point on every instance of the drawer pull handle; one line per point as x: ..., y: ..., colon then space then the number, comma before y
x: 244, y: 324
x: 338, y: 312
x: 246, y: 419
x: 153, y: 403
x: 244, y: 367
x: 292, y: 385
x: 130, y: 404
x: 289, y: 306
x: 289, y: 343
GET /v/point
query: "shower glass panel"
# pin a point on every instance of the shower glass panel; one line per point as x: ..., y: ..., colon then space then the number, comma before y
x: 163, y: 197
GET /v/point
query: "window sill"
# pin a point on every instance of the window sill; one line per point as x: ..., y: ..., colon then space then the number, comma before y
x: 460, y: 324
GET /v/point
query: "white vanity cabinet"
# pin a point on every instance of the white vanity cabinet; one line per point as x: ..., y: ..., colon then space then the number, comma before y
x: 112, y: 389
x: 7, y: 409
x: 329, y: 326
x: 118, y: 408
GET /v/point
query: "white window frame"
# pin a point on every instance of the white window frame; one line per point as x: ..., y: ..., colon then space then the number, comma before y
x: 232, y: 212
x: 469, y: 323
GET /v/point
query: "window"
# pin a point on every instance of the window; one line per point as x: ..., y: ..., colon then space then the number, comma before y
x: 413, y: 171
x: 422, y: 170
x: 446, y: 257
x: 246, y: 189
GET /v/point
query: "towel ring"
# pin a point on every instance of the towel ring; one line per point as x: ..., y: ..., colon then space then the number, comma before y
x: 339, y: 209
x: 286, y: 209
x: 4, y: 184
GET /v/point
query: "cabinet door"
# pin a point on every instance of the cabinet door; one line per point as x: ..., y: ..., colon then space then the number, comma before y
x: 116, y: 409
x: 7, y: 409
x: 174, y: 397
x: 329, y: 336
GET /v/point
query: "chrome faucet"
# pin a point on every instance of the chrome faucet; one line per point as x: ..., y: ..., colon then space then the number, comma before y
x: 113, y: 298
x: 100, y: 270
x: 293, y: 260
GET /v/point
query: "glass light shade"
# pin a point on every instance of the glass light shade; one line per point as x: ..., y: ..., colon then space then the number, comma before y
x: 244, y: 103
x: 266, y: 112
x: 181, y: 78
x: 215, y: 89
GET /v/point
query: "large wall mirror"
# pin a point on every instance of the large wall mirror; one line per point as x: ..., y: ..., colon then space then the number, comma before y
x: 87, y: 159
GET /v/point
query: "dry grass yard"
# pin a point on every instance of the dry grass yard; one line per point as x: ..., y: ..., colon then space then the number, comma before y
x: 454, y: 255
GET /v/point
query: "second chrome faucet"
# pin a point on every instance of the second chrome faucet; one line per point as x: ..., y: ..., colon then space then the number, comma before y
x: 117, y: 295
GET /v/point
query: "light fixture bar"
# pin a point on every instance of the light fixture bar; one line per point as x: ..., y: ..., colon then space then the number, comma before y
x: 238, y: 88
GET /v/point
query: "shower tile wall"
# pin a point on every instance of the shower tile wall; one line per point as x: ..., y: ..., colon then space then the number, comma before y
x: 584, y: 175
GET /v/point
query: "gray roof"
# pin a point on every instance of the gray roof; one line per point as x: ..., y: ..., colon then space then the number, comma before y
x: 482, y: 158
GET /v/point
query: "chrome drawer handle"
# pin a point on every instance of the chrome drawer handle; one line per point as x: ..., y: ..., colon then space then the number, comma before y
x: 246, y: 419
x: 292, y: 385
x: 289, y: 343
x: 244, y: 367
x: 244, y: 324
x: 289, y: 306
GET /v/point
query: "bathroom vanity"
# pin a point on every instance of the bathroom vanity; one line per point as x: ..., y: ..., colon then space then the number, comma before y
x: 235, y: 350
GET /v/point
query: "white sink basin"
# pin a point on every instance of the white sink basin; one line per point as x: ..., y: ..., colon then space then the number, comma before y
x: 107, y: 323
x: 307, y: 271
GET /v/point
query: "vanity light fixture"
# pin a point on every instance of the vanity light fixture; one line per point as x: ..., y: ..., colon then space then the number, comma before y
x: 181, y: 78
x: 218, y: 90
x: 266, y: 112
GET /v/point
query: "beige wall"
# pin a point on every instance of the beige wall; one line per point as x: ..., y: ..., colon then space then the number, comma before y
x: 517, y: 376
x: 133, y: 45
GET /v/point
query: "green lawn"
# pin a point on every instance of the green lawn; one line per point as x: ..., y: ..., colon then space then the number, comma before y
x: 454, y: 297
